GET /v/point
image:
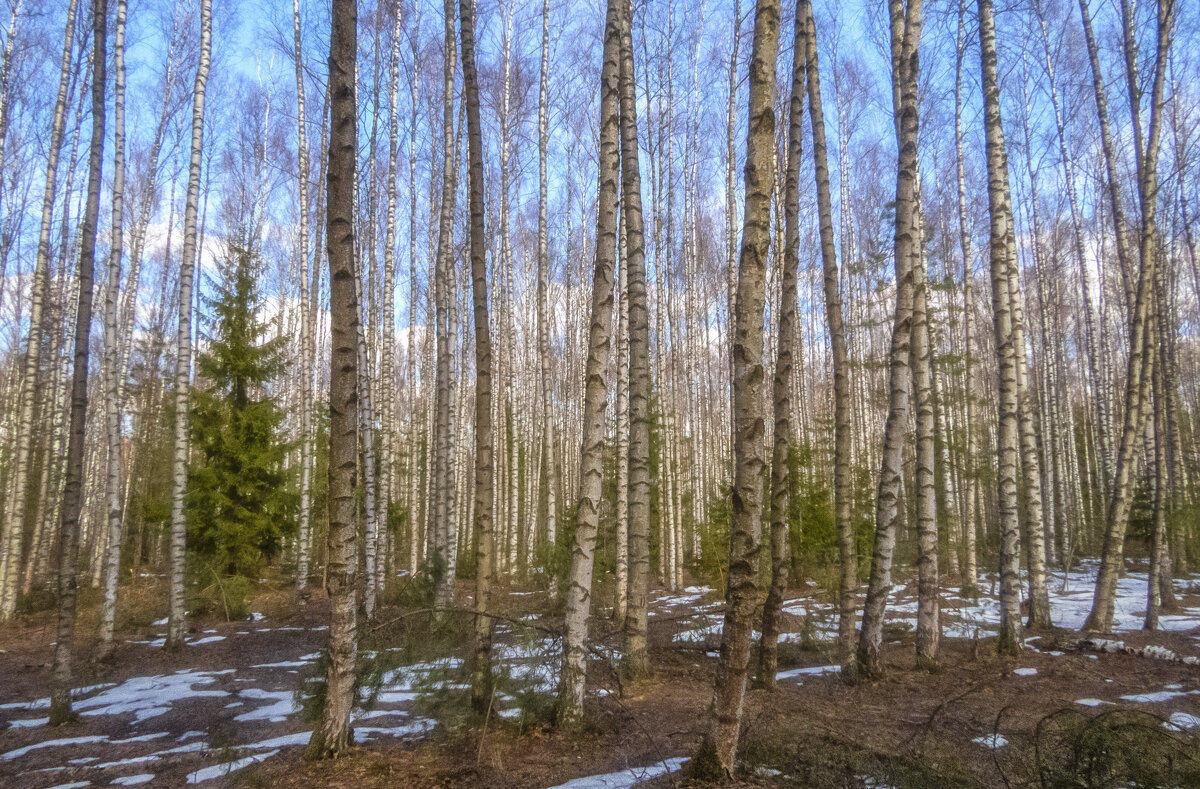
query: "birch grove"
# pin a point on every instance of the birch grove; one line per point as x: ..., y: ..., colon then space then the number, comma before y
x: 609, y: 305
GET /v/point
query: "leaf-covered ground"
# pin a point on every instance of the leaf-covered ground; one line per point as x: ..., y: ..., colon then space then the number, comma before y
x: 226, y: 710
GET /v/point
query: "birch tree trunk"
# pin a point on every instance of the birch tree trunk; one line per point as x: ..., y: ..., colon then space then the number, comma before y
x: 1138, y: 388
x: 928, y: 625
x: 969, y: 586
x: 731, y: 242
x: 441, y: 511
x: 905, y: 41
x: 64, y: 645
x: 781, y: 481
x: 481, y: 685
x: 183, y: 343
x: 549, y: 468
x: 304, y: 538
x: 1002, y: 241
x: 14, y: 512
x: 719, y: 749
x: 366, y: 429
x: 635, y: 659
x: 591, y: 464
x: 621, y: 581
x: 112, y: 372
x: 842, y: 480
x: 332, y: 735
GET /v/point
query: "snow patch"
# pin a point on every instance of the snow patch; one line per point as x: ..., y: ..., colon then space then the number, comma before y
x: 992, y: 741
x: 225, y: 768
x: 623, y: 779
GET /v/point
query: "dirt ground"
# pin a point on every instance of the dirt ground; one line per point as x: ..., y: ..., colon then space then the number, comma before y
x: 911, y: 729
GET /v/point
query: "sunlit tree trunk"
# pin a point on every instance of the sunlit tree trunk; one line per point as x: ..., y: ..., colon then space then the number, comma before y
x: 14, y: 512
x: 781, y: 478
x: 483, y: 502
x: 112, y: 372
x: 719, y: 749
x: 905, y: 41
x: 183, y: 343
x: 591, y: 465
x: 549, y: 473
x: 925, y: 493
x: 635, y: 659
x: 304, y: 538
x: 621, y: 580
x: 842, y: 480
x: 970, y: 563
x: 441, y: 511
x: 332, y: 735
x: 1002, y: 241
x: 1138, y: 390
x: 64, y: 645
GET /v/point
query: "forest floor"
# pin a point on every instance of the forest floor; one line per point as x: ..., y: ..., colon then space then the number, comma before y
x: 226, y: 712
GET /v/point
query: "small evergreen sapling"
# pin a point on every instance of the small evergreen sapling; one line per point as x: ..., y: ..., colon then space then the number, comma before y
x: 240, y: 502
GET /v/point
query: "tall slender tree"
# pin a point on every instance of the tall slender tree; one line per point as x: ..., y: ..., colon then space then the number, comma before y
x: 591, y: 463
x: 636, y: 662
x: 14, y: 512
x: 781, y: 384
x: 332, y: 735
x: 304, y: 537
x: 483, y: 501
x: 719, y: 749
x: 183, y: 341
x: 905, y: 27
x: 441, y: 512
x: 842, y: 480
x: 64, y: 646
x: 112, y: 371
x: 1139, y: 373
x: 1000, y: 249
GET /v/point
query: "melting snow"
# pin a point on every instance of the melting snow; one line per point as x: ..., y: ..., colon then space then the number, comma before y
x: 992, y: 741
x: 1153, y: 698
x: 623, y: 779
x: 53, y: 744
x: 807, y: 671
x: 1182, y: 720
x: 225, y: 768
x: 1025, y: 672
x: 283, y: 706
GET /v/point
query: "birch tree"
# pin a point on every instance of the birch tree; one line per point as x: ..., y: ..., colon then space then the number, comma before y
x: 440, y: 512
x: 64, y: 645
x: 332, y: 736
x: 304, y: 537
x: 1000, y: 250
x: 481, y: 685
x: 591, y: 464
x: 719, y: 749
x: 905, y: 27
x: 112, y: 372
x: 842, y: 480
x: 183, y: 343
x: 635, y: 660
x: 781, y: 482
x: 1138, y: 375
x: 14, y: 512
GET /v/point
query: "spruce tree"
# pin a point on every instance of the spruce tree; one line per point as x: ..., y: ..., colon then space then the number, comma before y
x: 240, y: 503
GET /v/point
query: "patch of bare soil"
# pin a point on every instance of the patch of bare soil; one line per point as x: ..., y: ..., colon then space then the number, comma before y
x: 981, y: 721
